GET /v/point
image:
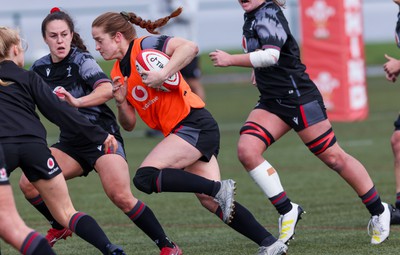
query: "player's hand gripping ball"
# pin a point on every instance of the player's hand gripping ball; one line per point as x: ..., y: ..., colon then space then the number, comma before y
x: 150, y: 60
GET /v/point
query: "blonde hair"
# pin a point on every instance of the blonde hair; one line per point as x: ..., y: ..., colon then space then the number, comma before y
x: 8, y: 38
x: 113, y: 22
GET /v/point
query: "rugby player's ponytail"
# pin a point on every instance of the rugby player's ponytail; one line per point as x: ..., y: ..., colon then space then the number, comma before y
x: 113, y: 22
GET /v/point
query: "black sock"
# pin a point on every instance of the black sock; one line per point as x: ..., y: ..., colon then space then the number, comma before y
x: 145, y: 219
x: 87, y: 228
x: 39, y: 204
x: 177, y: 180
x: 245, y: 223
x: 398, y: 200
x: 282, y: 203
x: 36, y: 244
x: 373, y: 202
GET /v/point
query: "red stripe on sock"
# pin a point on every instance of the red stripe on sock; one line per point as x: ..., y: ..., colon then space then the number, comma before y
x: 369, y: 198
x: 137, y: 211
x: 75, y: 219
x: 29, y: 242
x: 279, y: 198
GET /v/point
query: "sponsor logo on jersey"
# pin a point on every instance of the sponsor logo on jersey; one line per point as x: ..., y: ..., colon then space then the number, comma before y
x: 48, y: 72
x: 3, y: 175
x: 69, y: 68
x: 150, y: 102
x: 139, y: 93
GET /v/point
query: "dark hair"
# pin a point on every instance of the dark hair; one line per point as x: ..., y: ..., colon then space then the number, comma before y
x: 113, y: 22
x: 57, y: 14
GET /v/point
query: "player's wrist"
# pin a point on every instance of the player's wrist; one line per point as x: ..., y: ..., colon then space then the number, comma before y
x: 119, y: 103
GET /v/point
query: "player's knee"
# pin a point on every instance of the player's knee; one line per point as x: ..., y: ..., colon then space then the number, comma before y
x: 244, y: 154
x: 145, y: 179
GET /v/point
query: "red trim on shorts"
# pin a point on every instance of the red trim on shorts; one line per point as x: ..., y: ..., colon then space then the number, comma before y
x: 303, y: 116
x: 178, y: 129
x: 158, y: 184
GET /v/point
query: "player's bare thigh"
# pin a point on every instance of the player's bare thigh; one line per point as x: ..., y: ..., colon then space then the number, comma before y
x: 69, y: 166
x: 173, y: 152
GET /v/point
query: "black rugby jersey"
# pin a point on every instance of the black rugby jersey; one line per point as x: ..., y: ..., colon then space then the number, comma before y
x: 266, y: 27
x: 79, y: 74
x: 18, y: 100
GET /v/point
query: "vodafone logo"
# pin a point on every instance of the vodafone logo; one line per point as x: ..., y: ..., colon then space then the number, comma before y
x: 139, y: 93
x: 50, y: 163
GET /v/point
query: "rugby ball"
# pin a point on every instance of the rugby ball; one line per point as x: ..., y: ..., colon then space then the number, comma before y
x: 150, y: 60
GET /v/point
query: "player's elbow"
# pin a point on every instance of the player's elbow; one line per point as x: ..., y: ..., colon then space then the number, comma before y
x: 128, y: 126
x: 264, y: 58
x: 193, y: 47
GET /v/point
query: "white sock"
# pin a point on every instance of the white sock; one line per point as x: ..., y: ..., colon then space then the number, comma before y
x: 267, y: 179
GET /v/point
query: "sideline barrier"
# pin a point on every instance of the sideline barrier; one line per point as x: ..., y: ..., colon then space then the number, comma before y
x: 333, y: 51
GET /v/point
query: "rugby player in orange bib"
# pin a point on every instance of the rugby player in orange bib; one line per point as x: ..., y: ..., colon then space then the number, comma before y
x: 186, y: 159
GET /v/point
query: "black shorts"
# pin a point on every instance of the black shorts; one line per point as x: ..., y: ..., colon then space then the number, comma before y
x: 3, y: 172
x: 86, y: 155
x: 201, y: 130
x: 297, y: 117
x: 34, y: 159
x: 397, y: 123
x: 192, y: 70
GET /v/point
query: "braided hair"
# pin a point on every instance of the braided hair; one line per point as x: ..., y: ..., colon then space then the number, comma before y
x: 113, y: 22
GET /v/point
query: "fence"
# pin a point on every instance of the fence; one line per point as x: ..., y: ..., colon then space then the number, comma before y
x: 220, y: 21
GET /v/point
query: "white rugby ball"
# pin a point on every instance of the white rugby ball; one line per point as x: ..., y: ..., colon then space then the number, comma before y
x: 150, y: 60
